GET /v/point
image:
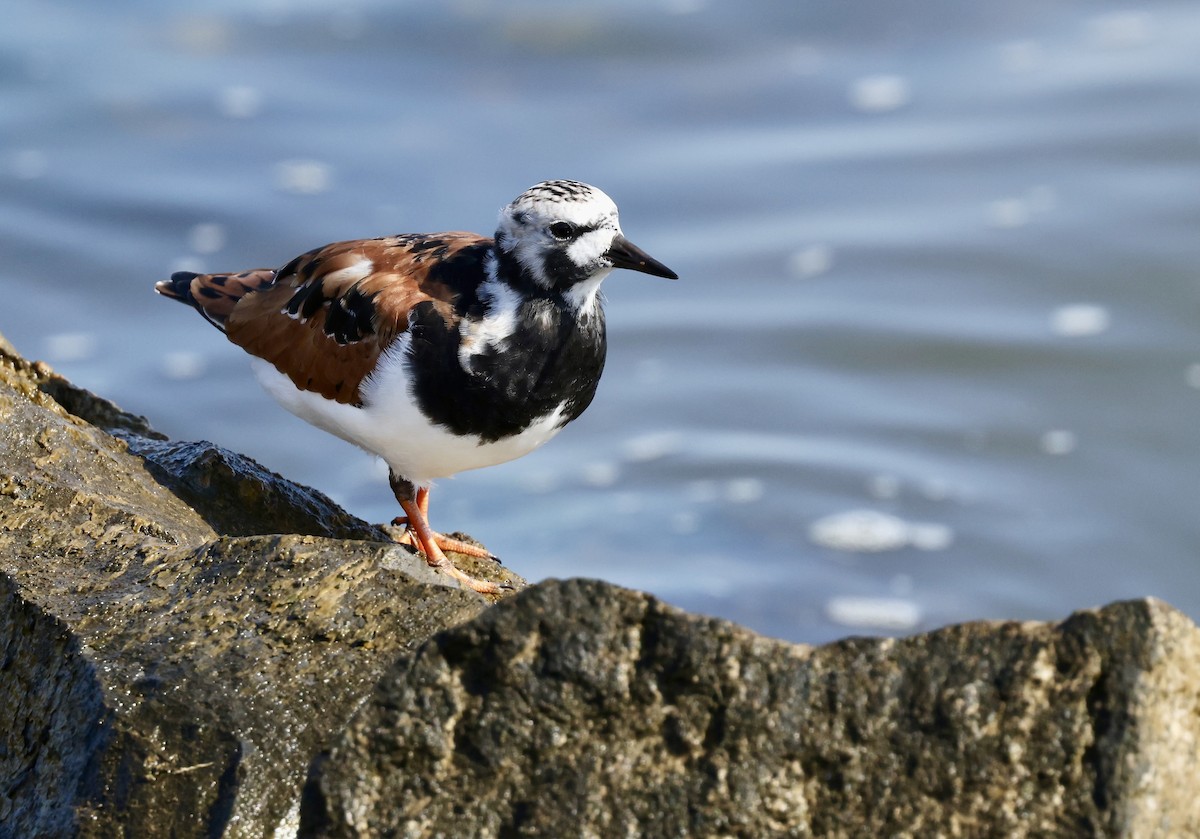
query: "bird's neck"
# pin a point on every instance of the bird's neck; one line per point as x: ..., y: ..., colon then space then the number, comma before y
x: 580, y: 299
x: 506, y: 268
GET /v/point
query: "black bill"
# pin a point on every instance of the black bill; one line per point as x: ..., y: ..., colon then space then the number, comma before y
x: 625, y: 254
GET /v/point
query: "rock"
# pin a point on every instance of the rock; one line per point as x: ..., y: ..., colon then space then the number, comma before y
x: 192, y: 646
x: 238, y: 497
x: 168, y: 666
x: 579, y: 708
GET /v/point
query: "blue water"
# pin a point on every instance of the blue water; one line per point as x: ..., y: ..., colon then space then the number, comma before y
x: 935, y: 350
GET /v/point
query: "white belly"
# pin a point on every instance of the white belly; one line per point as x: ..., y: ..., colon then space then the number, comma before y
x: 391, y: 425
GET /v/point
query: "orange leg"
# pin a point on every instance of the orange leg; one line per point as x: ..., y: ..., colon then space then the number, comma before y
x: 416, y: 508
x: 446, y: 543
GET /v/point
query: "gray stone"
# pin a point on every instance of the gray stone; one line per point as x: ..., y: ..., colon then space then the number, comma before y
x: 158, y: 677
x: 581, y: 709
x: 192, y: 646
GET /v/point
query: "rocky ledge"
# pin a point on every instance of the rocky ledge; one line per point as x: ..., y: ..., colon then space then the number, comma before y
x: 193, y: 646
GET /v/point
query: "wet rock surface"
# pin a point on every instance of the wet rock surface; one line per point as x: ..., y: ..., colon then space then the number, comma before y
x: 238, y: 497
x: 193, y: 646
x: 169, y: 665
x: 578, y: 708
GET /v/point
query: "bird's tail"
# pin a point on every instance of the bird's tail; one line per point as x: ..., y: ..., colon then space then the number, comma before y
x: 214, y: 295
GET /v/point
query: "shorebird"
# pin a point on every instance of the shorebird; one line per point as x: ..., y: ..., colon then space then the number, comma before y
x: 438, y: 352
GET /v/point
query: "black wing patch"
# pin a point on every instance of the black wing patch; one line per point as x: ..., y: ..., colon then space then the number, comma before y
x: 351, y: 317
x: 306, y: 301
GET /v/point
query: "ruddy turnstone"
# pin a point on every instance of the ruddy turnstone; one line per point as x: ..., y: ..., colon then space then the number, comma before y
x: 438, y: 352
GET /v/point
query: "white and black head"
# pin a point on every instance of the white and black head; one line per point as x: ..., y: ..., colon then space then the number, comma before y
x: 564, y: 236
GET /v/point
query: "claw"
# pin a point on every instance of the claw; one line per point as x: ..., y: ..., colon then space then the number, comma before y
x: 432, y: 545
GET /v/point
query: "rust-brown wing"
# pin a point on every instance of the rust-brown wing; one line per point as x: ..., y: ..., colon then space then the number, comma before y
x: 214, y: 295
x: 331, y: 312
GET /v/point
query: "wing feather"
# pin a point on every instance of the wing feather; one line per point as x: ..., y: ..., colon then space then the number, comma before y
x: 331, y: 312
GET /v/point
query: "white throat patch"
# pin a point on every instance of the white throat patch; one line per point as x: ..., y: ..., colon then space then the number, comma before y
x: 583, y: 298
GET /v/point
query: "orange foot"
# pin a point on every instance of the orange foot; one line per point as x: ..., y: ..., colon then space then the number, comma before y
x: 446, y: 543
x: 433, y: 544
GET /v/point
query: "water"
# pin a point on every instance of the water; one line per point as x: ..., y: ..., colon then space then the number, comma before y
x: 935, y: 352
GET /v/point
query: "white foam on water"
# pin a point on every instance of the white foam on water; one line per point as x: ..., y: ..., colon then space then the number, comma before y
x: 601, y: 474
x: 885, y: 613
x: 208, y: 237
x: 239, y: 102
x: 70, y: 346
x: 653, y: 445
x: 872, y: 531
x: 1059, y: 441
x: 744, y: 490
x: 811, y: 261
x: 1079, y: 320
x: 880, y: 93
x: 184, y: 365
x: 303, y: 177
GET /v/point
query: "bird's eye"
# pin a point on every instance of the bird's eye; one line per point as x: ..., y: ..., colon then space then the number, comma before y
x: 562, y: 230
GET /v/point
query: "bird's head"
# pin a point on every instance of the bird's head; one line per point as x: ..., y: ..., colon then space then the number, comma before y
x: 565, y: 237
